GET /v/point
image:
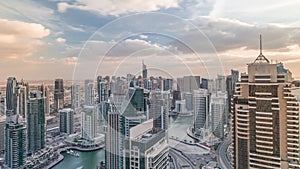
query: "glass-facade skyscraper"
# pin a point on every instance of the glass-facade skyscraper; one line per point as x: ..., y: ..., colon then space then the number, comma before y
x: 58, y: 94
x: 36, y: 123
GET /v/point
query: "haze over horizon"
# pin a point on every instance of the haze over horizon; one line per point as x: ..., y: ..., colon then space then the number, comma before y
x: 46, y: 39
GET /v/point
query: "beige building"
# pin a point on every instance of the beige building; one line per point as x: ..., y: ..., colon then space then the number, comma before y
x: 265, y: 118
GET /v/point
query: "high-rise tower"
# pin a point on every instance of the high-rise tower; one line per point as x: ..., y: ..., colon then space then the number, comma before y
x: 75, y: 96
x: 265, y: 118
x: 201, y: 110
x: 89, y: 92
x: 15, y: 129
x: 10, y: 94
x: 144, y: 69
x: 113, y: 151
x: 58, y: 94
x: 15, y: 142
x: 66, y: 121
x: 36, y: 123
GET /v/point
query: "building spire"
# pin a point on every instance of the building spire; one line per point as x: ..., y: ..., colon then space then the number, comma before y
x: 260, y: 43
x: 261, y: 58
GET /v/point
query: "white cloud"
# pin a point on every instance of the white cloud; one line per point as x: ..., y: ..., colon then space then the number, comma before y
x: 143, y: 36
x: 267, y: 11
x: 61, y: 40
x: 115, y: 8
x: 19, y: 38
x: 227, y: 34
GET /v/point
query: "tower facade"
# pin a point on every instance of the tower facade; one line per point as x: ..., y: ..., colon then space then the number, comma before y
x: 75, y: 96
x: 58, y: 94
x: 15, y: 142
x: 158, y: 111
x: 265, y: 118
x: 66, y: 121
x: 45, y: 93
x: 89, y: 93
x: 36, y: 123
x: 201, y: 109
x: 146, y: 148
x: 102, y: 91
x: 2, y: 133
x: 88, y: 122
x: 218, y: 111
x: 15, y: 129
x: 10, y: 92
x: 113, y: 140
x: 144, y: 71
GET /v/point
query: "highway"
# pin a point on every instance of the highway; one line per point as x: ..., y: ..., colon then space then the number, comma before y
x: 221, y: 153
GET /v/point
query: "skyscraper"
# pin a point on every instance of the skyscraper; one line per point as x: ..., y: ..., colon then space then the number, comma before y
x: 75, y: 96
x: 168, y: 84
x: 126, y: 112
x: 88, y: 123
x: 66, y: 121
x: 188, y: 101
x: 220, y: 83
x: 36, y: 123
x: 21, y: 98
x: 265, y: 118
x: 45, y: 93
x: 158, y: 111
x: 231, y: 81
x: 15, y: 142
x: 144, y: 70
x: 201, y: 110
x: 89, y: 93
x: 218, y: 109
x: 188, y: 83
x: 10, y: 94
x: 2, y: 132
x: 2, y: 106
x: 145, y: 148
x: 113, y: 155
x: 102, y: 91
x: 58, y: 94
x: 204, y: 83
x: 15, y: 129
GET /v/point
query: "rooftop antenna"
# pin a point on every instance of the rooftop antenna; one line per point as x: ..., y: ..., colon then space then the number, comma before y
x: 261, y: 58
x: 260, y: 43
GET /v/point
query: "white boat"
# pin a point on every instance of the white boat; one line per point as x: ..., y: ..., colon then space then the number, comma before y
x: 73, y: 153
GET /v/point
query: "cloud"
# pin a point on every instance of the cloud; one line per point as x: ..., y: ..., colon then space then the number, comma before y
x: 61, y: 40
x: 128, y: 47
x: 143, y: 36
x: 72, y: 60
x: 228, y: 34
x: 115, y: 8
x: 267, y: 11
x: 18, y: 39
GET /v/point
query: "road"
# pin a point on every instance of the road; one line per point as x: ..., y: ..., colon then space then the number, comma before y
x: 180, y: 160
x: 221, y: 153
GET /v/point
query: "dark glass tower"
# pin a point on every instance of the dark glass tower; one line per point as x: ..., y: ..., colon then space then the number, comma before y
x: 35, y: 123
x: 58, y: 94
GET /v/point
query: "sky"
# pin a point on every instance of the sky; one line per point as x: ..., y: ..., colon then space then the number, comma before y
x: 80, y: 39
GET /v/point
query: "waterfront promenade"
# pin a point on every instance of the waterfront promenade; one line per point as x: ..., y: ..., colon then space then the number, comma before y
x: 64, y: 149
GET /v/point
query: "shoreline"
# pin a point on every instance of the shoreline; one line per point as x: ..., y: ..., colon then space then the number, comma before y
x: 61, y: 157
